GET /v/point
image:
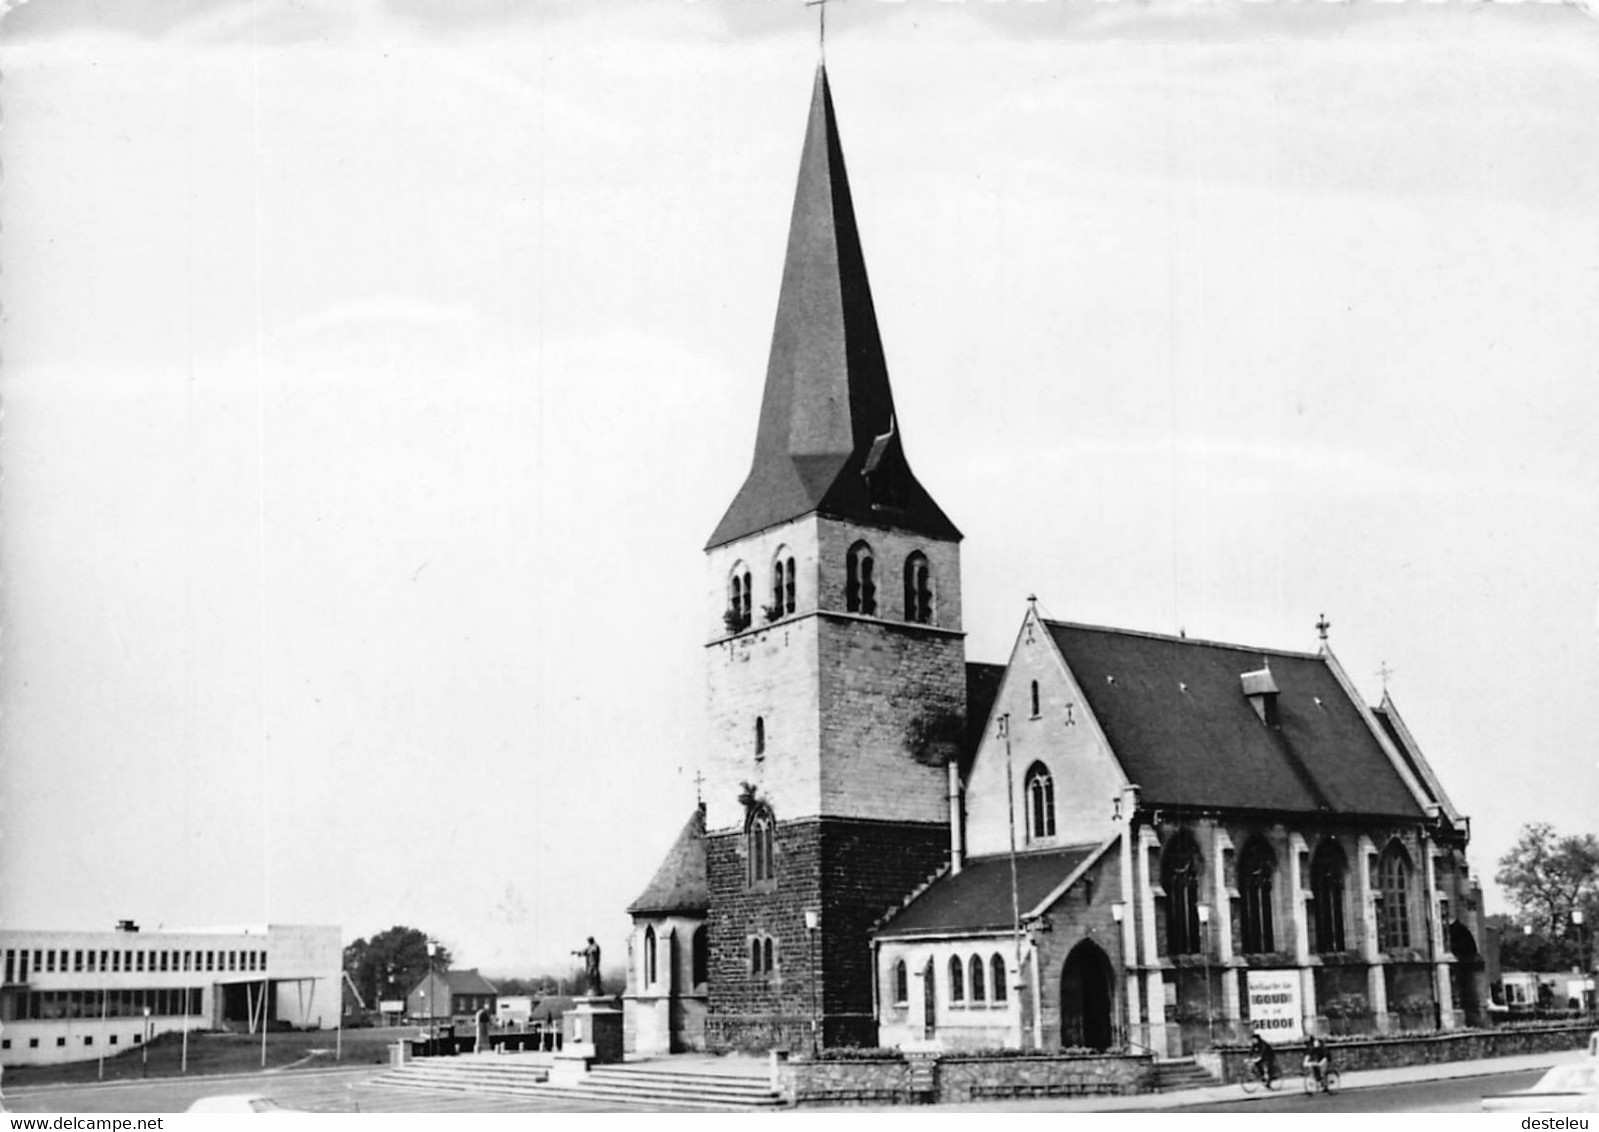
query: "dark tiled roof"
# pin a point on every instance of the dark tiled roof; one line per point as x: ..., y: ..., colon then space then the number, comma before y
x: 679, y: 885
x: 978, y: 898
x: 982, y: 686
x: 827, y: 440
x: 1176, y: 716
x: 550, y: 1007
x: 468, y: 982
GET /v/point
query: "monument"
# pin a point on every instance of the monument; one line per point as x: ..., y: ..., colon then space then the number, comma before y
x: 592, y: 1029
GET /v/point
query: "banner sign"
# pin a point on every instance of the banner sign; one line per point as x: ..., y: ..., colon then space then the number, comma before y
x: 1275, y: 1007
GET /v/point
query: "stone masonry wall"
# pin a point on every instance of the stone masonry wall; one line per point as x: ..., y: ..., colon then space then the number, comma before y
x: 851, y: 873
x: 893, y: 708
x: 961, y: 1078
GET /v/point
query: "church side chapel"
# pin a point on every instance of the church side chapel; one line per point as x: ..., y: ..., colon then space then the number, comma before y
x: 1117, y: 839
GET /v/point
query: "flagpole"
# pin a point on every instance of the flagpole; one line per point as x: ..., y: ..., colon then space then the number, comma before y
x: 1015, y: 897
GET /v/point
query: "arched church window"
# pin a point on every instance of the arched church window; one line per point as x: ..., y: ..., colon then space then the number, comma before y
x: 957, y: 980
x: 1040, y: 791
x: 768, y: 955
x: 918, y: 589
x: 701, y: 957
x: 649, y: 956
x: 1328, y: 869
x: 1180, y: 870
x: 1393, y: 895
x: 782, y: 585
x: 1035, y: 699
x: 902, y: 984
x: 740, y: 597
x: 860, y: 588
x: 996, y: 969
x: 760, y: 737
x: 1257, y: 867
x: 755, y: 956
x: 976, y: 968
x: 762, y: 848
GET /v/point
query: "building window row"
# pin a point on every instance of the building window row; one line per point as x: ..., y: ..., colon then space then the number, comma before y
x: 163, y: 1002
x: 860, y: 588
x: 740, y: 613
x: 1182, y: 869
x: 20, y: 963
x: 970, y: 981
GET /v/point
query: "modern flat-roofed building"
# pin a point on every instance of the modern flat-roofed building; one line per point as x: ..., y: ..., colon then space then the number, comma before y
x: 71, y: 995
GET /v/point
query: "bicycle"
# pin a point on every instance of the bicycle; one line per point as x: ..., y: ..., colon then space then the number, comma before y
x: 1258, y: 1075
x: 1327, y: 1080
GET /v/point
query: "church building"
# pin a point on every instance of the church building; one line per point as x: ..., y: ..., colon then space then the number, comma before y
x: 1116, y: 839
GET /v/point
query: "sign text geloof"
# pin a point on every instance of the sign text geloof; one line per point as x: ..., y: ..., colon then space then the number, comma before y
x: 1275, y: 1005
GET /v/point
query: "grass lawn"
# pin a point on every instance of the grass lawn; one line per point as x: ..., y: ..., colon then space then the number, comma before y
x: 214, y: 1053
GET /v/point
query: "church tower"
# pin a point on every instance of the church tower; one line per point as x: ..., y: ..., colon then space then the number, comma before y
x: 837, y: 686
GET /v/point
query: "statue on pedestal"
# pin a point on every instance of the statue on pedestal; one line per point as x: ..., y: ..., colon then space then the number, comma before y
x: 591, y: 968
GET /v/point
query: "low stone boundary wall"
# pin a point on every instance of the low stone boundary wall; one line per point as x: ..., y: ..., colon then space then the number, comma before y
x: 955, y: 1078
x: 1231, y: 1063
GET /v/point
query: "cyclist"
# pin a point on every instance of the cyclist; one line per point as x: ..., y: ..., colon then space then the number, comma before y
x: 1317, y: 1059
x: 1263, y: 1057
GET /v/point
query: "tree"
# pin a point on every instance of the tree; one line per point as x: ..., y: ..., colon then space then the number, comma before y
x: 1547, y: 877
x: 392, y: 962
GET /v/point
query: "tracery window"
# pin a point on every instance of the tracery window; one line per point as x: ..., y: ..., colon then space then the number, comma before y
x: 762, y: 845
x: 1327, y: 871
x: 1393, y: 893
x: 1039, y: 789
x: 918, y: 589
x: 1256, y: 869
x: 860, y: 587
x: 1180, y: 870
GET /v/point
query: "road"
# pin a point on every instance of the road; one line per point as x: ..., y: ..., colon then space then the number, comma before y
x: 322, y: 1091
x: 1463, y: 1094
x: 346, y: 1091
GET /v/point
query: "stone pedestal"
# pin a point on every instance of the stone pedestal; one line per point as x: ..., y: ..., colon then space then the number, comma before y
x: 591, y: 1035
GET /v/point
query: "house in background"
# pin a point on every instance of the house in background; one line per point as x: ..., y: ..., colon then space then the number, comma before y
x: 453, y: 996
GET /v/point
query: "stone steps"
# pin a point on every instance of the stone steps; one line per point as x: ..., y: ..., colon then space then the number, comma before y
x: 678, y: 1088
x: 468, y: 1075
x: 630, y: 1086
x: 1181, y: 1073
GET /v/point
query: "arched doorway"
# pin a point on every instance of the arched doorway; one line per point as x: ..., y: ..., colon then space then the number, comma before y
x: 1464, y: 972
x: 1085, y: 998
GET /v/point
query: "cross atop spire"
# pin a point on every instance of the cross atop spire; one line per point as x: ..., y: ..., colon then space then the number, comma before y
x: 827, y: 440
x: 821, y: 26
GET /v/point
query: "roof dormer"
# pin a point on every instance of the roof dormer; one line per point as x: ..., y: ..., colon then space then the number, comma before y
x: 1262, y: 692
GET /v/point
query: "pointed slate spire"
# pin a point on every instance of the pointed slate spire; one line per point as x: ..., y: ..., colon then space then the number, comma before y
x: 827, y: 440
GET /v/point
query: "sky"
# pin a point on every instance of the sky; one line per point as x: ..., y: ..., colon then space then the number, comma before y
x: 375, y: 370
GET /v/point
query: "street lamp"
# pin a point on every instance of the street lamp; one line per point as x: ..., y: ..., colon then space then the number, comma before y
x: 1210, y: 1013
x: 812, y: 922
x: 144, y: 1046
x: 1589, y: 985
